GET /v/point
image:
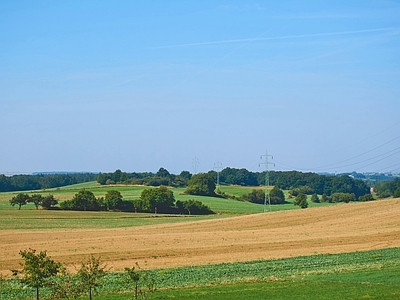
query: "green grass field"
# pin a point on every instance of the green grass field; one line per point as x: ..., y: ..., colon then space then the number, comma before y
x: 130, y: 192
x: 30, y: 218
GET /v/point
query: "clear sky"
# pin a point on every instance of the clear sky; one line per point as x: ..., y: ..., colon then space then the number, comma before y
x: 139, y: 85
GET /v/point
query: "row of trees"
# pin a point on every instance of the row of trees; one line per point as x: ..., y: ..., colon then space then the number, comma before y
x: 154, y: 200
x: 285, y: 180
x: 39, y: 270
x: 162, y: 177
x: 46, y: 202
x: 42, y: 181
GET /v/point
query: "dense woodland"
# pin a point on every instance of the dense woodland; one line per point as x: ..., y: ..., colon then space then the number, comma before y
x: 285, y: 180
x: 297, y: 182
x: 42, y: 181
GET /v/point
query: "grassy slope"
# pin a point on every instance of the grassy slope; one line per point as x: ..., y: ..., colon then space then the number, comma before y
x: 133, y: 192
x: 29, y: 218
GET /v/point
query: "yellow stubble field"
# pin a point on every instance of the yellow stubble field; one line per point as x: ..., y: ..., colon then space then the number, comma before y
x: 333, y: 229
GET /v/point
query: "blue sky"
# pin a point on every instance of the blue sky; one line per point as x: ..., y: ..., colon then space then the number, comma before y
x: 139, y: 85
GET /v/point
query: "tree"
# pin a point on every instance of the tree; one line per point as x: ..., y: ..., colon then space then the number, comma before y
x: 66, y: 286
x: 163, y: 173
x: 157, y: 199
x: 315, y: 198
x: 20, y: 200
x: 36, y: 199
x: 113, y: 199
x: 366, y: 197
x: 201, y: 184
x: 396, y: 193
x: 48, y: 202
x: 186, y: 174
x: 135, y: 277
x: 91, y: 272
x: 144, y: 281
x: 277, y: 196
x: 194, y: 207
x: 301, y: 200
x: 37, y: 268
x: 255, y: 196
x: 343, y: 197
x: 83, y: 200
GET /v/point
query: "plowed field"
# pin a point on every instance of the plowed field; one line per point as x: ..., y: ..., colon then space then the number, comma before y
x: 334, y: 229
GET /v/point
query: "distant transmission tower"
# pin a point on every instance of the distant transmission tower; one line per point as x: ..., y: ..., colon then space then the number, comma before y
x: 267, y: 197
x: 217, y: 168
x: 195, y: 164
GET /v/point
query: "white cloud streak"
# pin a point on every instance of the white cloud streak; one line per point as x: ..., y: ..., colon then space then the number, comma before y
x: 390, y: 29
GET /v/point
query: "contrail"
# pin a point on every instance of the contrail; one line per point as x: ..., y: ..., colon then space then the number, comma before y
x: 276, y: 38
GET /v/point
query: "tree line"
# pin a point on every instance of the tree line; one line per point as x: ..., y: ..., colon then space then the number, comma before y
x: 389, y: 188
x: 42, y: 181
x: 152, y: 200
x: 285, y: 180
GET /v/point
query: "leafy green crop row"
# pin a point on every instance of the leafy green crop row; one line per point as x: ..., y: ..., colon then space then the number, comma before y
x: 255, y: 271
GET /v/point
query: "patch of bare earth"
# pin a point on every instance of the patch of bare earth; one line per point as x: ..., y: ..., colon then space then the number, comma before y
x: 335, y: 229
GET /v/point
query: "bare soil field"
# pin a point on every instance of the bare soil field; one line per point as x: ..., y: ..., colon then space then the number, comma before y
x: 334, y: 229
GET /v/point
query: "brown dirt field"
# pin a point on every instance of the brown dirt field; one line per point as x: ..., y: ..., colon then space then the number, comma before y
x: 334, y: 229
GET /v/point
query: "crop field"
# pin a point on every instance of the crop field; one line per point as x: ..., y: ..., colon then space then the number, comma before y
x: 165, y: 241
x: 238, y: 236
x: 358, y: 275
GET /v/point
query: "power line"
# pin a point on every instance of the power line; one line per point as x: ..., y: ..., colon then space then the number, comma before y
x: 359, y: 155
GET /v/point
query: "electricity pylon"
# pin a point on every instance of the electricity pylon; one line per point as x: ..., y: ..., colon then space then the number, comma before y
x: 267, y: 197
x: 217, y: 167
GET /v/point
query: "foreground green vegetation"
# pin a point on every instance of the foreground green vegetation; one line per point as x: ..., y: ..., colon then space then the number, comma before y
x: 358, y: 275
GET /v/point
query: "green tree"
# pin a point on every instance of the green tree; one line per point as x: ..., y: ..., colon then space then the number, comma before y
x: 36, y: 199
x: 66, y: 286
x: 186, y: 174
x: 201, y: 184
x: 343, y: 197
x: 83, y: 200
x: 37, y: 268
x: 135, y: 277
x: 48, y: 202
x: 20, y: 200
x: 277, y: 196
x: 396, y: 193
x: 157, y: 199
x: 301, y: 200
x: 366, y: 197
x: 255, y: 196
x: 90, y: 273
x: 193, y: 207
x: 113, y: 199
x: 315, y: 198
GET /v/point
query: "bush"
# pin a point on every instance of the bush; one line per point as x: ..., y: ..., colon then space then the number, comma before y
x: 343, y: 197
x: 396, y: 193
x: 194, y: 207
x: 366, y: 197
x: 315, y: 198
